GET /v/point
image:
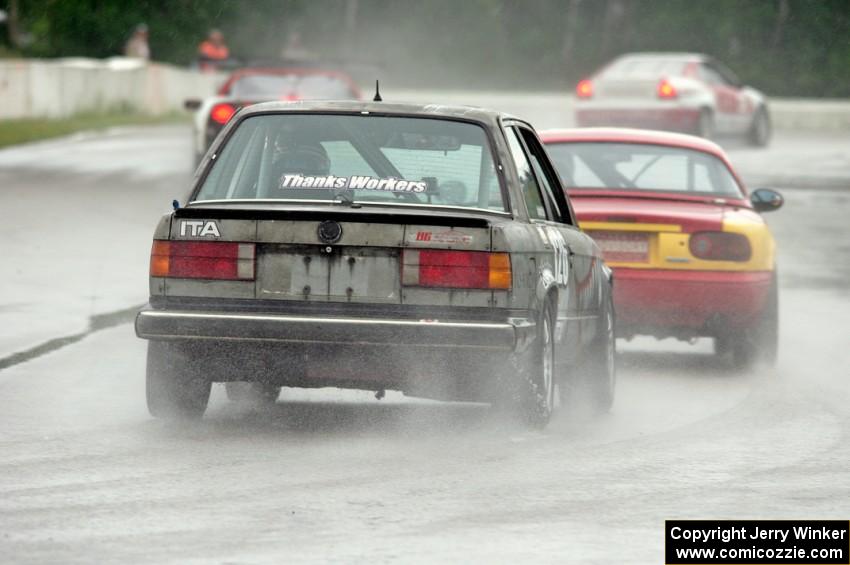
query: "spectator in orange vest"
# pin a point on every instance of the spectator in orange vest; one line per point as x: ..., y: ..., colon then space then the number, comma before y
x: 212, y: 51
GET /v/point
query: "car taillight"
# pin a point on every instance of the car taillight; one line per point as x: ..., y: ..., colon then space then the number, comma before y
x: 221, y: 113
x: 584, y: 89
x: 456, y: 269
x: 666, y: 90
x: 720, y: 246
x: 217, y: 260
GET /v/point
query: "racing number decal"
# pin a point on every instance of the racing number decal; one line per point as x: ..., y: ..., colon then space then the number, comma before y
x: 562, y: 256
x: 561, y: 253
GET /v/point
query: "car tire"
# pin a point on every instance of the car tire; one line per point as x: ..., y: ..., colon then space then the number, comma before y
x: 174, y: 388
x: 757, y: 345
x: 767, y: 332
x: 705, y: 126
x: 760, y: 129
x: 252, y: 393
x: 601, y: 371
x: 535, y: 400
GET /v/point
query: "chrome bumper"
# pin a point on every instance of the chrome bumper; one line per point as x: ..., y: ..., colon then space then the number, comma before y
x: 512, y: 335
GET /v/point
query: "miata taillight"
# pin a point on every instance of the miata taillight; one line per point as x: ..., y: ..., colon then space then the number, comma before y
x: 444, y: 268
x: 666, y: 90
x: 216, y: 260
x: 584, y: 89
x: 720, y: 246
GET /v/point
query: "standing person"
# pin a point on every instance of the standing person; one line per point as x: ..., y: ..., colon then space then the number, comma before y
x: 294, y: 50
x: 212, y: 51
x: 137, y: 46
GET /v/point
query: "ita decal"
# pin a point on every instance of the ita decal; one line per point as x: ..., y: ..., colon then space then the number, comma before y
x: 199, y: 228
x: 352, y: 183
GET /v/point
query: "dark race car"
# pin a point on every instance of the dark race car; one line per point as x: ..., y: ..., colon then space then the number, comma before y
x: 251, y: 85
x: 427, y: 249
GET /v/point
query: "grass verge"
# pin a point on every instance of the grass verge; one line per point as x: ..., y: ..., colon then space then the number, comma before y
x: 13, y: 132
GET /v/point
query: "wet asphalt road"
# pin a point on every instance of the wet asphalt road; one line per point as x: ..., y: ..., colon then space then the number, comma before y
x: 86, y: 476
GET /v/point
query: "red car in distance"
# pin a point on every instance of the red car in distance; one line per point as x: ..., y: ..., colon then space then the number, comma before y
x: 683, y: 92
x: 251, y: 85
x: 691, y: 254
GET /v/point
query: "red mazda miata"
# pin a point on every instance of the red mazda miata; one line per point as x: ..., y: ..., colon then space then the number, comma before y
x: 691, y: 253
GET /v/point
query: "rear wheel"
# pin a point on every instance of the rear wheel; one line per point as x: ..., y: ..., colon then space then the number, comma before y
x: 252, y: 393
x: 601, y: 371
x: 705, y: 124
x: 759, y: 344
x: 536, y: 367
x: 759, y: 133
x: 174, y: 388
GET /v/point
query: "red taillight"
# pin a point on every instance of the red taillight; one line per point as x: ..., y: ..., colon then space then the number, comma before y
x: 203, y: 260
x: 666, y: 90
x: 456, y: 269
x: 720, y: 246
x: 221, y: 113
x: 584, y: 89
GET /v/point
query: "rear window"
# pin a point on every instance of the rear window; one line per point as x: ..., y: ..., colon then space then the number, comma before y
x: 634, y: 166
x: 320, y: 157
x: 645, y: 67
x: 292, y: 86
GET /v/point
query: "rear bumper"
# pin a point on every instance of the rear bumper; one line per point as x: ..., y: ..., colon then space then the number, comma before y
x: 672, y: 118
x: 688, y: 303
x: 511, y: 335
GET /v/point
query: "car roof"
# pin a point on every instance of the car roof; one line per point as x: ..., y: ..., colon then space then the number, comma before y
x: 632, y: 135
x: 293, y: 69
x: 482, y: 115
x: 684, y: 56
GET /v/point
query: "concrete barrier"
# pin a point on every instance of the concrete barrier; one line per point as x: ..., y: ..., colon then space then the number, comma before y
x: 810, y: 114
x: 40, y: 88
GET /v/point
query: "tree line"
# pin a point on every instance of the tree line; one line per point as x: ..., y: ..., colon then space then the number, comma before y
x: 784, y: 47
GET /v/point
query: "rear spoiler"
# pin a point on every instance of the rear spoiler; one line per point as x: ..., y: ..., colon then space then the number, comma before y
x: 389, y: 216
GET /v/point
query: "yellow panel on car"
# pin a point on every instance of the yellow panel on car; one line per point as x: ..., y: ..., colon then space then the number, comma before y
x: 629, y: 226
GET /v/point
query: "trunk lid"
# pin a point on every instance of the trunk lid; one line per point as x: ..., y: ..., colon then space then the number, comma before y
x: 646, y: 232
x: 626, y: 88
x: 322, y: 255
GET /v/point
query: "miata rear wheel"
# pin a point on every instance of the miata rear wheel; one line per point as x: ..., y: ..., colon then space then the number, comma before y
x: 756, y: 345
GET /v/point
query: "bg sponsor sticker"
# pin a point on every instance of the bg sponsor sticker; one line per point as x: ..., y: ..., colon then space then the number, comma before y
x: 448, y: 237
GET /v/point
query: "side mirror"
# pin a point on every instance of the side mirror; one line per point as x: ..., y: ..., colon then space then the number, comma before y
x: 766, y: 200
x: 192, y: 104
